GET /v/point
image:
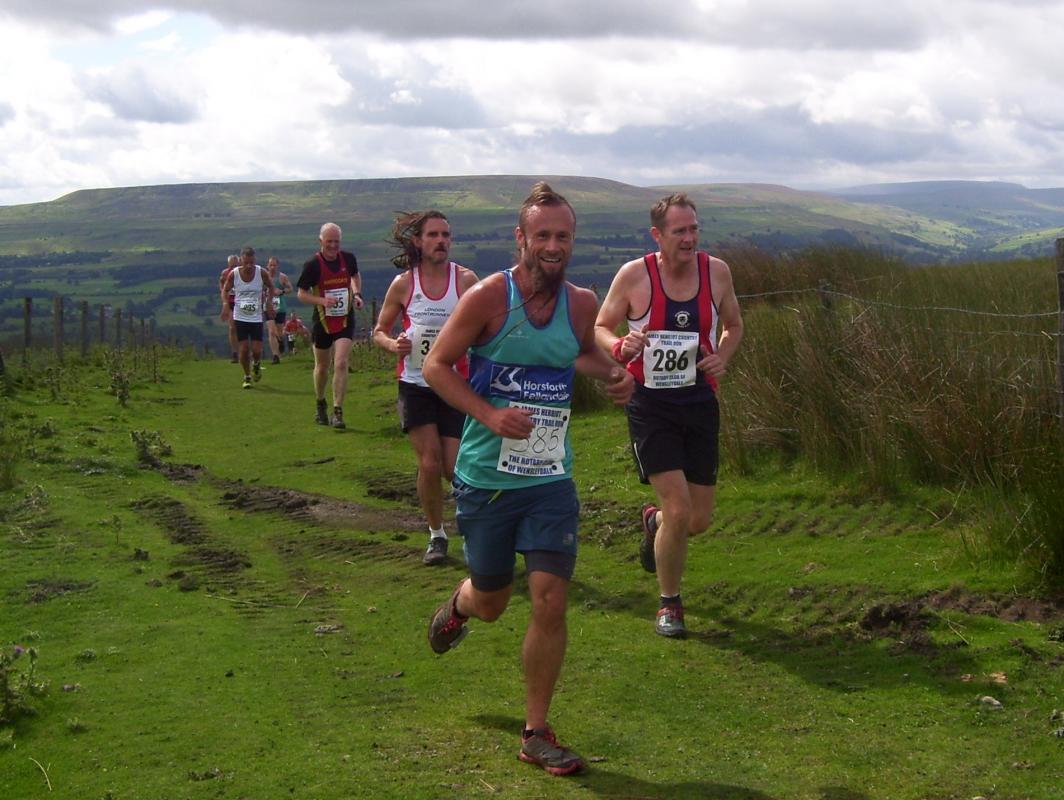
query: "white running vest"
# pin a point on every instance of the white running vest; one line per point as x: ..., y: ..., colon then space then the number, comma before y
x: 423, y: 317
x: 248, y: 306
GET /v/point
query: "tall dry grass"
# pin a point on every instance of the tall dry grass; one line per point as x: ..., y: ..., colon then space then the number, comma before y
x: 887, y: 376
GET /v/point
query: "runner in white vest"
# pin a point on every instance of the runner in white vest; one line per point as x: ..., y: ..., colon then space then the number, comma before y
x: 424, y: 294
x: 251, y: 286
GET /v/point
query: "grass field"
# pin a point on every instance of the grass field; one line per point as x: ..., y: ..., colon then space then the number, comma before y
x: 236, y: 608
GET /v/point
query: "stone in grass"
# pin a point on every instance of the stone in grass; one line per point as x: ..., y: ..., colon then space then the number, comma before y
x: 990, y: 704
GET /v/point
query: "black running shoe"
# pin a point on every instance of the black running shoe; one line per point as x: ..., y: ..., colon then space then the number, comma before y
x: 321, y: 416
x: 436, y: 553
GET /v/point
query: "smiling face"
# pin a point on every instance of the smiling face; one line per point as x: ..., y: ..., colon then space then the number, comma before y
x: 434, y: 243
x: 330, y: 242
x: 545, y: 242
x: 677, y: 237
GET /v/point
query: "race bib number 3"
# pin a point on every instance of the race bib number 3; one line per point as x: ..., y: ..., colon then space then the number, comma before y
x: 543, y: 452
x: 421, y: 341
x: 340, y: 309
x: 669, y: 359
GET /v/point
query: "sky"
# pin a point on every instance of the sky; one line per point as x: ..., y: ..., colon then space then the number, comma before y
x: 812, y: 94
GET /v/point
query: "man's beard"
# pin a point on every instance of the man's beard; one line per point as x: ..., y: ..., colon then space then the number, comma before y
x: 544, y: 282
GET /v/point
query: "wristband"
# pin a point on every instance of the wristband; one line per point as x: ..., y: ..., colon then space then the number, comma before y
x: 616, y: 350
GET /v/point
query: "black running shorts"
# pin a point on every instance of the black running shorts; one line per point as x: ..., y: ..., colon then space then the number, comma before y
x: 675, y: 436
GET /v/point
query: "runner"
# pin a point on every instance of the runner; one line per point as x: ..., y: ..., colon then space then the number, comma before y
x: 672, y: 301
x: 424, y: 294
x: 294, y: 329
x: 526, y: 328
x: 231, y: 264
x: 250, y: 285
x: 282, y: 286
x: 330, y: 282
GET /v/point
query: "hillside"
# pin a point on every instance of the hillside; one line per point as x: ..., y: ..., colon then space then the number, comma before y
x: 156, y: 251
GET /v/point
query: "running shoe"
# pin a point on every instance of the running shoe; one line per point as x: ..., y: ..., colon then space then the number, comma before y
x: 670, y: 622
x: 649, y: 517
x: 247, y: 382
x: 256, y: 369
x: 542, y: 748
x: 320, y: 416
x: 436, y: 553
x: 446, y: 628
x: 276, y: 359
x: 337, y: 418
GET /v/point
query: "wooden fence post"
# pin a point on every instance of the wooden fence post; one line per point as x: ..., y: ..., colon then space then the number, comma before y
x: 118, y: 329
x: 1060, y: 331
x: 57, y: 324
x: 84, y: 328
x: 27, y: 326
x: 103, y: 322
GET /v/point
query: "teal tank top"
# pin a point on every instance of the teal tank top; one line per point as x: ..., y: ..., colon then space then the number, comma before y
x: 530, y: 366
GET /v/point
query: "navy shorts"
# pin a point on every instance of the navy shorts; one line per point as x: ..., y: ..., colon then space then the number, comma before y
x: 248, y: 331
x: 538, y: 521
x: 280, y: 316
x: 419, y: 405
x: 675, y: 436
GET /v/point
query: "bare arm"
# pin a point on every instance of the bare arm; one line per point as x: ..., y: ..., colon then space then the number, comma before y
x: 267, y: 293
x: 390, y: 311
x: 226, y: 285
x: 592, y: 360
x: 729, y: 316
x: 615, y: 310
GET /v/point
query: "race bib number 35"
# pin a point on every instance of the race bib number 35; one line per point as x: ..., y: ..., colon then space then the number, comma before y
x: 340, y: 309
x: 543, y: 452
x: 669, y: 359
x: 421, y: 341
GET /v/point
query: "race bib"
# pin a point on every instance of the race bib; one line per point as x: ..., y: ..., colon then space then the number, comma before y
x: 249, y: 307
x: 277, y: 303
x: 340, y: 309
x: 669, y: 359
x: 543, y: 452
x: 421, y: 340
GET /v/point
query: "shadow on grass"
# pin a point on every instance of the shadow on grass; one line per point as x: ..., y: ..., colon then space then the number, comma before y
x: 610, y: 783
x: 834, y: 659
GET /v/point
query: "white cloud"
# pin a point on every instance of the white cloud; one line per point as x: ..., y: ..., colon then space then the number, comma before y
x: 807, y: 94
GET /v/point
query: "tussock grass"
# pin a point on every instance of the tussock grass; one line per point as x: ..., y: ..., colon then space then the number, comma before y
x: 890, y: 376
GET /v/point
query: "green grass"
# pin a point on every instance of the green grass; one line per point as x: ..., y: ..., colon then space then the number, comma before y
x: 209, y: 680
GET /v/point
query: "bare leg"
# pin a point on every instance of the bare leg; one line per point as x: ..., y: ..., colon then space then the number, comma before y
x: 341, y: 357
x: 426, y: 442
x: 544, y: 646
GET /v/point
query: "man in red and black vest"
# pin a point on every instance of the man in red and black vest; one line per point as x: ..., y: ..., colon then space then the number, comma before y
x: 683, y: 327
x: 331, y: 283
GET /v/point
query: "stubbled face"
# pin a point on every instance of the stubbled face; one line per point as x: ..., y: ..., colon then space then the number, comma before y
x: 272, y: 265
x: 678, y: 237
x: 247, y: 260
x: 434, y: 243
x: 546, y: 245
x: 330, y: 244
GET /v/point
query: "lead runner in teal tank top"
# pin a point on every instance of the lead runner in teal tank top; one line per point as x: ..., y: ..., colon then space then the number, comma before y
x: 525, y: 366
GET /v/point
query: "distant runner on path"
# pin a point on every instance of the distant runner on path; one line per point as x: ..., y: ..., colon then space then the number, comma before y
x: 231, y: 264
x: 282, y: 287
x: 513, y: 478
x: 331, y: 283
x: 424, y: 294
x: 251, y: 286
x: 673, y: 301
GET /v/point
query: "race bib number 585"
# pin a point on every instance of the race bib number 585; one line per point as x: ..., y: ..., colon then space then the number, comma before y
x: 543, y: 452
